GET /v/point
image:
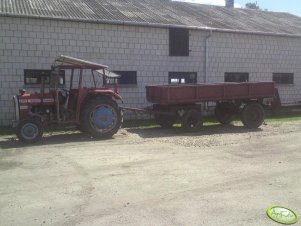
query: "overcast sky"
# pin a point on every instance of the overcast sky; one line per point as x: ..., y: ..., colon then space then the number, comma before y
x: 291, y: 6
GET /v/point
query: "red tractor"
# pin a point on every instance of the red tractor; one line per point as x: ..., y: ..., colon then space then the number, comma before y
x: 94, y: 110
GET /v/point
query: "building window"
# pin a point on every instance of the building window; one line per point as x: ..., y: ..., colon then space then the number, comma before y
x: 35, y: 77
x: 126, y: 78
x: 283, y: 78
x: 178, y: 42
x: 236, y: 77
x: 182, y: 77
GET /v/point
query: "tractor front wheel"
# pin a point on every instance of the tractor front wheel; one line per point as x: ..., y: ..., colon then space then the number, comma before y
x: 30, y: 131
x: 101, y: 118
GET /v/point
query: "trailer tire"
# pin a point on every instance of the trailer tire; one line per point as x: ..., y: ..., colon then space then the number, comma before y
x: 252, y: 115
x: 80, y: 128
x: 192, y: 121
x: 101, y: 118
x: 165, y: 121
x: 225, y: 112
x: 30, y: 131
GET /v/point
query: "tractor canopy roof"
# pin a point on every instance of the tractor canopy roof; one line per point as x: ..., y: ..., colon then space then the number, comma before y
x: 68, y: 62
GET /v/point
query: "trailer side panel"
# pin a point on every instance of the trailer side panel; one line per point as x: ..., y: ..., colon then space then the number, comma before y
x: 193, y: 93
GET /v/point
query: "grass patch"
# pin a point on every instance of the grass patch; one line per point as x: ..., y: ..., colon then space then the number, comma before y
x: 142, y: 123
x: 283, y: 118
x: 6, y: 131
x: 209, y: 121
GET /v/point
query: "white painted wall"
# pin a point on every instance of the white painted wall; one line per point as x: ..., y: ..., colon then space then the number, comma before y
x: 34, y: 43
x: 261, y: 56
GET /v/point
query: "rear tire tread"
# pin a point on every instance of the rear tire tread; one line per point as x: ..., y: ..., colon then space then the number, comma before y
x: 85, y: 117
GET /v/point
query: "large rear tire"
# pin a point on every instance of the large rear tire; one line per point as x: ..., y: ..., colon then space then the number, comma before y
x: 192, y: 121
x: 252, y: 115
x: 30, y: 131
x: 101, y: 118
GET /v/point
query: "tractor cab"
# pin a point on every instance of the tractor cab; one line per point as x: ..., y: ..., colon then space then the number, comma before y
x: 62, y: 104
x: 69, y: 101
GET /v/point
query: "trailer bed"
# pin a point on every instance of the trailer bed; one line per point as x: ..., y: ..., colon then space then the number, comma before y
x: 194, y: 93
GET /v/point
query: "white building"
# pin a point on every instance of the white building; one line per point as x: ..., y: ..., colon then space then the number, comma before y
x: 148, y: 42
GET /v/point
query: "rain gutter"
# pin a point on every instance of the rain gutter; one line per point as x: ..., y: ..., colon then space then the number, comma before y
x: 154, y: 25
x: 207, y: 61
x: 207, y: 56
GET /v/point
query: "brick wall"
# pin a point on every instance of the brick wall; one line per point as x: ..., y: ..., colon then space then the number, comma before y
x: 33, y: 44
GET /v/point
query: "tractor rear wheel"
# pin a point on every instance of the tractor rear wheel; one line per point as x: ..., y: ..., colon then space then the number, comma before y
x: 252, y: 115
x: 101, y: 118
x: 192, y: 121
x: 30, y: 131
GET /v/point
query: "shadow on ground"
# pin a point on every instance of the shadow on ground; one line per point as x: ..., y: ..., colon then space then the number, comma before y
x: 76, y: 137
x: 48, y: 139
x: 206, y: 130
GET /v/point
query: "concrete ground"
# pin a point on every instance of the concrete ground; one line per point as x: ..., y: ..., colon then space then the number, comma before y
x: 219, y: 176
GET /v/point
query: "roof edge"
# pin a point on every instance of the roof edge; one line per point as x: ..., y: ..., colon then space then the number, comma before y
x: 155, y: 25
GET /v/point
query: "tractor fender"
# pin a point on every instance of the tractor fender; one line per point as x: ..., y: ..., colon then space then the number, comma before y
x: 105, y: 94
x: 108, y: 93
x: 118, y: 97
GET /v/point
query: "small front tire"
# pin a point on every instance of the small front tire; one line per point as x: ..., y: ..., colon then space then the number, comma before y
x: 30, y: 131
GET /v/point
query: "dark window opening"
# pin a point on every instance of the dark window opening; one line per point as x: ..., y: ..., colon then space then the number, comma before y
x: 182, y: 77
x: 178, y: 42
x: 35, y: 77
x: 126, y: 78
x: 236, y: 77
x: 283, y: 78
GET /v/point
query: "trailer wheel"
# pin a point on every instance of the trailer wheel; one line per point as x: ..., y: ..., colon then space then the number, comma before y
x: 101, y: 117
x: 252, y: 115
x: 165, y: 121
x: 80, y: 128
x: 192, y: 121
x: 225, y: 112
x: 30, y: 131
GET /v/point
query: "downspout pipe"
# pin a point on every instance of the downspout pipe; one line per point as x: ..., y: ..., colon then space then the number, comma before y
x: 207, y: 61
x: 207, y: 56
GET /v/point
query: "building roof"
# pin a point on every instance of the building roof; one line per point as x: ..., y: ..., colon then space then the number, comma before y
x: 163, y: 13
x: 79, y: 63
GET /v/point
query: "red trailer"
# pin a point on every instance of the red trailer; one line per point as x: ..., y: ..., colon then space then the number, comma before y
x: 184, y: 102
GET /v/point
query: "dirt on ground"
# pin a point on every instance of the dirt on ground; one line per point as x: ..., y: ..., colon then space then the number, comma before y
x: 222, y: 175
